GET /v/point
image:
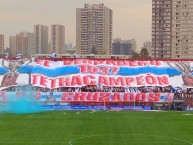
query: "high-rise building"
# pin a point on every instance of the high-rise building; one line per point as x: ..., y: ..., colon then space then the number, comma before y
x: 41, y: 32
x: 94, y: 29
x: 31, y: 44
x: 172, y: 29
x: 1, y: 44
x: 23, y: 43
x: 12, y: 46
x: 123, y: 47
x: 133, y: 42
x: 57, y: 39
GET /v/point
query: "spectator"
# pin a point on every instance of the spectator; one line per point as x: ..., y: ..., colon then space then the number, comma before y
x: 75, y: 55
x: 18, y: 56
x: 53, y: 56
x: 6, y: 55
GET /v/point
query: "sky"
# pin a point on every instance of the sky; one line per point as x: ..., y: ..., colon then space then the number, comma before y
x: 131, y: 18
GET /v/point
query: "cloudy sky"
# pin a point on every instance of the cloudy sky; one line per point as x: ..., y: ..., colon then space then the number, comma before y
x: 131, y: 18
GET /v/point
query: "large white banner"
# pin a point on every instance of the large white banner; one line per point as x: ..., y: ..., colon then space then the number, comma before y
x: 82, y: 72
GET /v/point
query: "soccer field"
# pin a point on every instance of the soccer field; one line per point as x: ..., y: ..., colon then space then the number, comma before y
x: 97, y: 128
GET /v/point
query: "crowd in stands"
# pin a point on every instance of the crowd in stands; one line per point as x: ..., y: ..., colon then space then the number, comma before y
x: 94, y: 88
x: 179, y: 92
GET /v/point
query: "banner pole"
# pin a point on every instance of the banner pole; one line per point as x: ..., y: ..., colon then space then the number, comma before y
x: 134, y: 105
x: 104, y: 104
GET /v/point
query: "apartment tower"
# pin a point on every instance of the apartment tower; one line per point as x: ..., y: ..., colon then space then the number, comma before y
x: 123, y: 47
x: 41, y: 33
x: 12, y: 46
x: 23, y: 43
x: 1, y: 44
x: 94, y: 29
x: 172, y: 29
x: 57, y: 39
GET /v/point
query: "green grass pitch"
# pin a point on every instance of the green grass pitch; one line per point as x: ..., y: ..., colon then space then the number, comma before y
x: 97, y: 128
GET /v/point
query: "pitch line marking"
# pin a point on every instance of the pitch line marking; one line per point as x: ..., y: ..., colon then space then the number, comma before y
x: 173, y: 138
x: 32, y: 142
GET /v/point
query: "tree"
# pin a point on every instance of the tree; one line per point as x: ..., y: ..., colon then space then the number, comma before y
x: 70, y: 51
x: 93, y: 50
x: 144, y: 53
x: 103, y: 52
x: 135, y: 55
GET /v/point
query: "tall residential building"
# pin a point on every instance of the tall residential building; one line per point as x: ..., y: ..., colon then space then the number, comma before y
x: 12, y: 46
x: 1, y: 44
x: 41, y: 32
x: 94, y: 29
x: 172, y: 29
x: 133, y: 42
x: 31, y: 44
x: 23, y: 43
x: 122, y: 47
x: 57, y: 39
